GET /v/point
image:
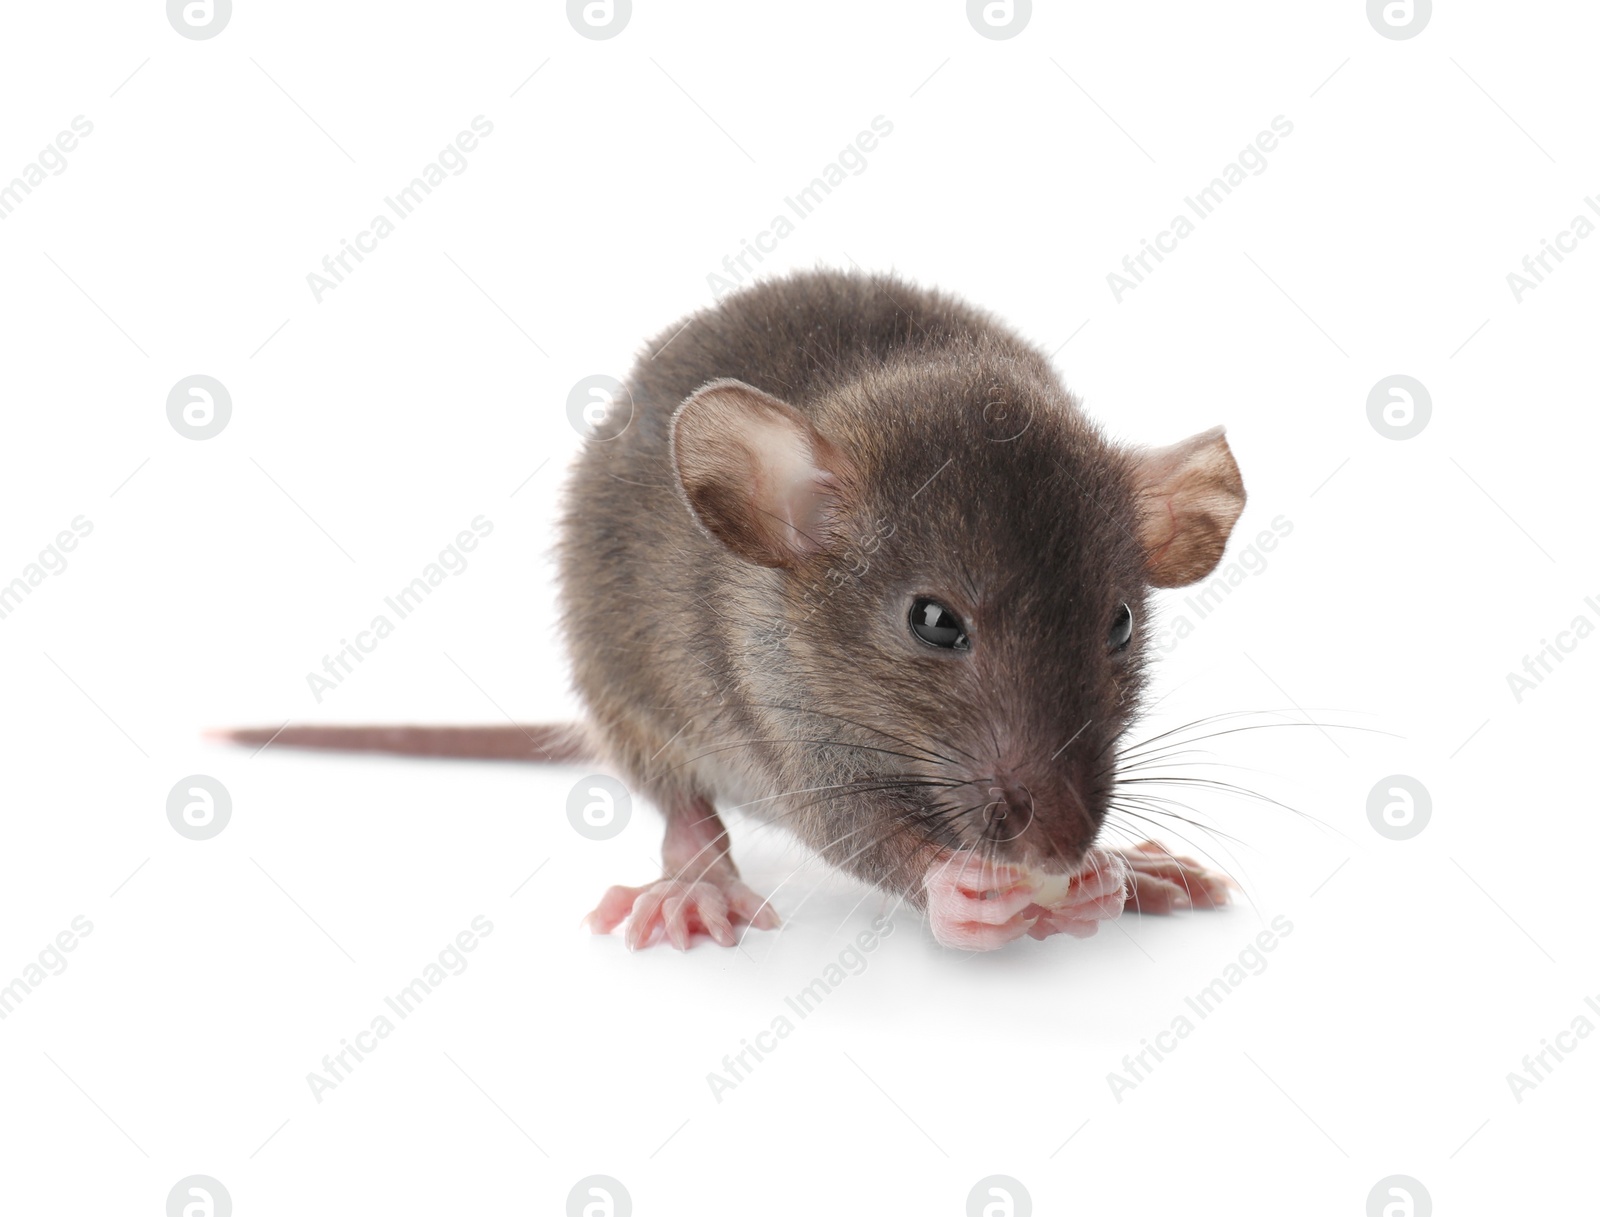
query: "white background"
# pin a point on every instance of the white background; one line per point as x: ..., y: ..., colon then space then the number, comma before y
x: 430, y: 388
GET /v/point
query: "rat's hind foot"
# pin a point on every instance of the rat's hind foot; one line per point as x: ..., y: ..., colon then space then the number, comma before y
x: 1162, y: 882
x: 678, y: 908
x: 701, y: 892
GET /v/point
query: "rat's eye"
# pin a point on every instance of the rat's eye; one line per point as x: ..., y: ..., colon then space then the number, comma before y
x: 937, y: 626
x: 1121, y: 632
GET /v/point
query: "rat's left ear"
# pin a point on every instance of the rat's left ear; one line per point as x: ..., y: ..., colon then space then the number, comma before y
x: 1189, y: 496
x: 757, y: 475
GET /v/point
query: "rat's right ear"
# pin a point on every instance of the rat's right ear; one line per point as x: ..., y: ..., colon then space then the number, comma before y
x: 1190, y: 495
x: 757, y: 475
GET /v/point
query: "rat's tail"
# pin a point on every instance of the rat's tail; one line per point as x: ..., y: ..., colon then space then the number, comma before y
x: 551, y: 743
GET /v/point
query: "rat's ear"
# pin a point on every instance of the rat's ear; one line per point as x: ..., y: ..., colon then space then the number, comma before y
x: 757, y: 475
x: 1189, y: 497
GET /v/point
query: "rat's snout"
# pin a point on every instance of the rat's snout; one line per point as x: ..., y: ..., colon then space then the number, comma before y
x: 1039, y: 819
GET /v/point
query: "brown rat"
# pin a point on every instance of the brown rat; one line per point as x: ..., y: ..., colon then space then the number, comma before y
x: 858, y: 564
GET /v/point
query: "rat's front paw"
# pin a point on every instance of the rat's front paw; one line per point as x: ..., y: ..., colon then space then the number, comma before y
x: 1163, y: 882
x: 978, y: 905
x: 1098, y: 892
x: 678, y: 908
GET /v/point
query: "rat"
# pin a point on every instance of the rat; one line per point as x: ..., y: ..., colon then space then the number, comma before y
x: 847, y: 556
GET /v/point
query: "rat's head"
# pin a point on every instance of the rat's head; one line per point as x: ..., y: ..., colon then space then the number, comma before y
x: 958, y: 566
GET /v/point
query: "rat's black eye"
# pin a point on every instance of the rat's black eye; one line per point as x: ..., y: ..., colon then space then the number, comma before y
x: 1121, y: 632
x: 937, y: 626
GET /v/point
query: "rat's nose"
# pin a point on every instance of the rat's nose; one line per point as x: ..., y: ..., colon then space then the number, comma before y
x: 1009, y: 811
x: 1037, y: 817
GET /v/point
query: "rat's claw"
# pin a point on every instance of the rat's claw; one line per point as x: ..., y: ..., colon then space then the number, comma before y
x: 675, y: 920
x: 749, y: 907
x: 677, y: 909
x: 647, y: 915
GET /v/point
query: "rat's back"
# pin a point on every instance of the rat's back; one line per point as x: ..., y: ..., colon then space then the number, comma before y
x: 806, y: 333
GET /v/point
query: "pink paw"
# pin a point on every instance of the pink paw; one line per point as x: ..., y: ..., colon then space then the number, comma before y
x: 678, y: 908
x: 978, y: 905
x: 1163, y: 882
